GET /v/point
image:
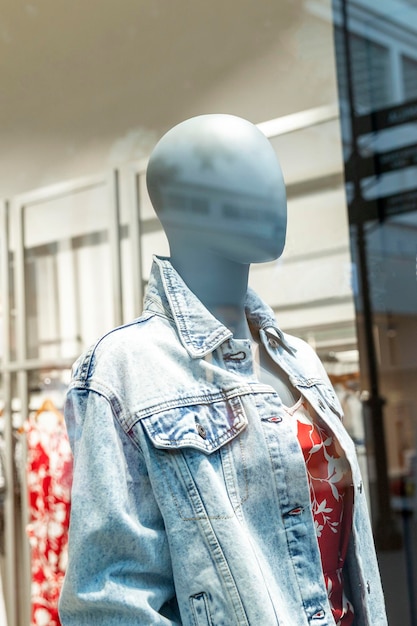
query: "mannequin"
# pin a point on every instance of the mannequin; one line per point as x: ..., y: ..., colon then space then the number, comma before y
x: 222, y: 156
x: 193, y: 500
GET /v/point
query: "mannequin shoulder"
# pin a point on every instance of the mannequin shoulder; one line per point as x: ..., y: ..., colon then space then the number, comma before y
x: 116, y: 348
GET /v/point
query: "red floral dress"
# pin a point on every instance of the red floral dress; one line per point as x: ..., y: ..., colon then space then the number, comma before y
x: 331, y: 495
x: 49, y: 476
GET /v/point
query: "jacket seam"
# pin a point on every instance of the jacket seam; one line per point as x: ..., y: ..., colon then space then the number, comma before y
x: 108, y: 394
x: 85, y: 365
x: 203, y: 399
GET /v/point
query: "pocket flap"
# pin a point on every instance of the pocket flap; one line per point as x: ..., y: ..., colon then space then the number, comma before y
x: 204, y: 427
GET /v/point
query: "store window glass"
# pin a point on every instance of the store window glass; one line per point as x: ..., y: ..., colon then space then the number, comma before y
x: 67, y: 271
x: 410, y: 77
x: 370, y: 62
x: 376, y: 61
x: 137, y: 71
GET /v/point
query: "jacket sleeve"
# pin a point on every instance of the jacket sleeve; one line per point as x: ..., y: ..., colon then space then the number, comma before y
x: 119, y: 569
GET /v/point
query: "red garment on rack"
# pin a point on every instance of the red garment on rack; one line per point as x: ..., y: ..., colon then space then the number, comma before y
x: 49, y: 478
x: 331, y: 496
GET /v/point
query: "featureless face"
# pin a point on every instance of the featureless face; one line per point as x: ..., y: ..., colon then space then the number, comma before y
x: 216, y: 179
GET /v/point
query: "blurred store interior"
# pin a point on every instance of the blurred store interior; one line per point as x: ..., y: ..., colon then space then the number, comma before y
x: 87, y: 89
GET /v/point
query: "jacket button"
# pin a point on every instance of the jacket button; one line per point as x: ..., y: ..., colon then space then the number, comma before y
x: 273, y: 343
x: 201, y: 431
x: 297, y: 511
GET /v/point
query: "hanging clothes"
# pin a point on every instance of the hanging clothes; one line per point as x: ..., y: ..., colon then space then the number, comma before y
x: 331, y: 493
x: 49, y: 477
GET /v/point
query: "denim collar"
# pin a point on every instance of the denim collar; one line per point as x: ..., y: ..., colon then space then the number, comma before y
x: 199, y: 331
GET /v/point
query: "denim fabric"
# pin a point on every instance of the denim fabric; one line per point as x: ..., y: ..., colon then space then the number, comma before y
x: 190, y: 502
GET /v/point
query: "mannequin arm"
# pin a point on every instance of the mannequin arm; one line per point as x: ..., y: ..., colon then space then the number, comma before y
x: 119, y: 569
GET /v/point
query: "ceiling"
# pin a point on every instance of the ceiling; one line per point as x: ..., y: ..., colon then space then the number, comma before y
x: 85, y: 83
x: 75, y: 66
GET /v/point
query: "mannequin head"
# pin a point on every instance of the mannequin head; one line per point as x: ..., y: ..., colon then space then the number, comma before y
x: 216, y: 185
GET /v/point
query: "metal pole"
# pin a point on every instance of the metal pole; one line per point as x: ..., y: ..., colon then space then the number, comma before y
x: 9, y: 584
x: 24, y: 554
x: 386, y: 533
x: 115, y: 248
x: 135, y: 225
x: 407, y: 517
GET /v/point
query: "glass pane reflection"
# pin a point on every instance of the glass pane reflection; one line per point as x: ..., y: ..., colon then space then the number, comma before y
x: 68, y: 273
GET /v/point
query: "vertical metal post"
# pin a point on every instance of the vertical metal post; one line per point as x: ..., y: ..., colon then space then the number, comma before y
x: 10, y: 582
x: 115, y: 248
x: 10, y: 570
x: 23, y: 552
x: 135, y: 240
x: 386, y: 533
x: 24, y: 580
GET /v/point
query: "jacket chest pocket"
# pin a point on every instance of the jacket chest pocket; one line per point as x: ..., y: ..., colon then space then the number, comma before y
x: 198, y: 457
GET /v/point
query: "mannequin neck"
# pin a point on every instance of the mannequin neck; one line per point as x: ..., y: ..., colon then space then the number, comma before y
x: 219, y: 283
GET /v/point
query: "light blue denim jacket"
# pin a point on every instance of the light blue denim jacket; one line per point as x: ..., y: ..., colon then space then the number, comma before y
x: 190, y: 502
